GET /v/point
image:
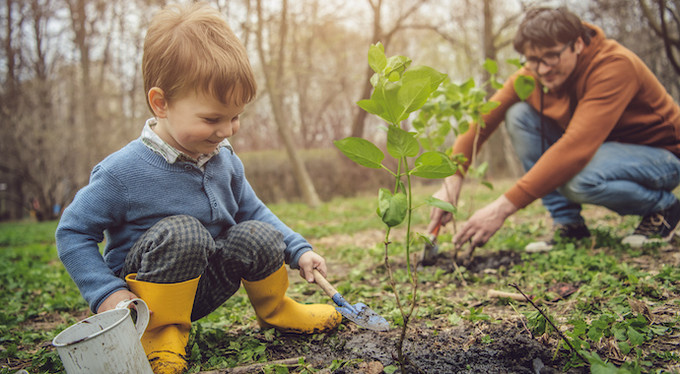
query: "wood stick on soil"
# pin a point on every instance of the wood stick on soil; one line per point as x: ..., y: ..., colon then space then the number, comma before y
x: 509, y: 295
x: 254, y: 368
x: 515, y: 286
x: 458, y: 272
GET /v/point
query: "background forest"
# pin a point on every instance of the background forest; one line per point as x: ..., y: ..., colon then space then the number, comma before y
x: 72, y: 93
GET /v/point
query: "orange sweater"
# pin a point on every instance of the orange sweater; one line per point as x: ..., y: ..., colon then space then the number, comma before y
x: 617, y: 99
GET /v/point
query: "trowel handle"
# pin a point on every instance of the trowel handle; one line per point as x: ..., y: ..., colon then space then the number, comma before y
x: 323, y: 283
x: 435, y: 230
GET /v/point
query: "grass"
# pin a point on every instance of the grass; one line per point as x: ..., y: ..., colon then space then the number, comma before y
x: 625, y: 309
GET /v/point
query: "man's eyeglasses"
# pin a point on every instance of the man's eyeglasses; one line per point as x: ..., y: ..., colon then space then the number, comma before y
x: 549, y: 59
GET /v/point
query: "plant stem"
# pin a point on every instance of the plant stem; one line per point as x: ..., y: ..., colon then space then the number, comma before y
x: 400, y: 342
x: 550, y: 322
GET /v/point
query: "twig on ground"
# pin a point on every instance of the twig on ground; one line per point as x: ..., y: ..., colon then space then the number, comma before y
x: 509, y: 295
x: 522, y: 320
x: 458, y: 273
x: 515, y: 286
x: 289, y: 362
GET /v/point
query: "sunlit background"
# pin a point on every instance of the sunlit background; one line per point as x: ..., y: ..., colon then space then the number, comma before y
x: 72, y: 91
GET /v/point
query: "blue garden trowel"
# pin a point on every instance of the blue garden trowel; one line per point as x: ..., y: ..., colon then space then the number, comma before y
x: 358, y: 313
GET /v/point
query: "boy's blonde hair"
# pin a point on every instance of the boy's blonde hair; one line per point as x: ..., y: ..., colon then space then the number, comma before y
x: 192, y: 47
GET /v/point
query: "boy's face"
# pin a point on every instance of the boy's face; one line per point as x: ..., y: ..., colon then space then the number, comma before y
x: 195, y: 123
x: 553, y: 65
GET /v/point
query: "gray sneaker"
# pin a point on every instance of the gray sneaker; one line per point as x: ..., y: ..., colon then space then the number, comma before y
x: 657, y: 227
x: 567, y: 232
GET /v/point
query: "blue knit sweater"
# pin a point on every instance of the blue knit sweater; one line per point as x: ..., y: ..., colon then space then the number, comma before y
x: 134, y: 188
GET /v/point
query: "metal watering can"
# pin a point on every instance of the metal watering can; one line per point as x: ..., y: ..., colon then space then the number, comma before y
x: 108, y: 342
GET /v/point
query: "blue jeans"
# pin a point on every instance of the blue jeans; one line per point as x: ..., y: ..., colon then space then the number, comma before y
x: 626, y: 178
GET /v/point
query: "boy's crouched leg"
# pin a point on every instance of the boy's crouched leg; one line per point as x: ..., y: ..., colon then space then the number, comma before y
x: 163, y: 268
x: 274, y: 309
x: 267, y: 289
x: 167, y: 334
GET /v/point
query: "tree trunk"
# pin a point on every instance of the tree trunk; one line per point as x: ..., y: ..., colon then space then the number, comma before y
x: 498, y: 150
x: 274, y: 85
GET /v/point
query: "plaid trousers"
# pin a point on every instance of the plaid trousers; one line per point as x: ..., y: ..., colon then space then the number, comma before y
x: 180, y: 248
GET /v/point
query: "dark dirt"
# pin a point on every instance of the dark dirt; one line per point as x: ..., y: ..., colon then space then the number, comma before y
x: 430, y: 350
x: 435, y: 346
x: 480, y: 262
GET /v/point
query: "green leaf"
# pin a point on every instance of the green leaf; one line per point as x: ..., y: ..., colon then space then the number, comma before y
x: 397, y: 64
x: 604, y: 368
x: 375, y: 79
x: 515, y: 62
x: 595, y: 334
x: 619, y: 332
x: 401, y: 143
x: 376, y: 57
x: 195, y: 352
x: 390, y: 369
x: 392, y: 208
x: 441, y: 204
x: 371, y: 106
x: 412, y: 96
x: 491, y: 66
x: 433, y: 165
x: 524, y: 85
x: 479, y: 171
x: 386, y: 94
x: 467, y: 86
x: 488, y: 107
x: 635, y: 337
x: 463, y: 127
x: 418, y: 84
x: 624, y: 347
x: 425, y: 73
x: 361, y: 151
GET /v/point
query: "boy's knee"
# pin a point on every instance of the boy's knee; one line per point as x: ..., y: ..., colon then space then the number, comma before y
x: 182, y: 232
x: 262, y: 239
x: 175, y: 249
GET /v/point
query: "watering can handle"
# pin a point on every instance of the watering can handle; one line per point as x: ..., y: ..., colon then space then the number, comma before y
x: 142, y: 313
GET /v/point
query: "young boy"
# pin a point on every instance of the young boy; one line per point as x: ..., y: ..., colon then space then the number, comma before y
x: 183, y: 227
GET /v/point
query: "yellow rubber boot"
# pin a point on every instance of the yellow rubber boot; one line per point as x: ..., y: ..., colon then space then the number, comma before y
x: 274, y: 309
x: 167, y: 334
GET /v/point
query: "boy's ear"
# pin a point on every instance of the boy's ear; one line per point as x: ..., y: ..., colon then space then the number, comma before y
x: 157, y: 102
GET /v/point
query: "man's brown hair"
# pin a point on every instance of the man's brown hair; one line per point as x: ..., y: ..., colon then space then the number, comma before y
x: 546, y: 27
x: 192, y: 48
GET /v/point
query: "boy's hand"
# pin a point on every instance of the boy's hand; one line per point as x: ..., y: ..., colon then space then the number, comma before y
x: 308, y: 262
x: 113, y: 300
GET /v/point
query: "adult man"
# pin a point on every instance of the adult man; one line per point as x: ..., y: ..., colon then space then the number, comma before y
x: 598, y: 129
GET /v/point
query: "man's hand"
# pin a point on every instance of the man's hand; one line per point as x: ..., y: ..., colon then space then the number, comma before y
x: 449, y: 192
x: 113, y: 300
x: 484, y: 223
x: 308, y: 262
